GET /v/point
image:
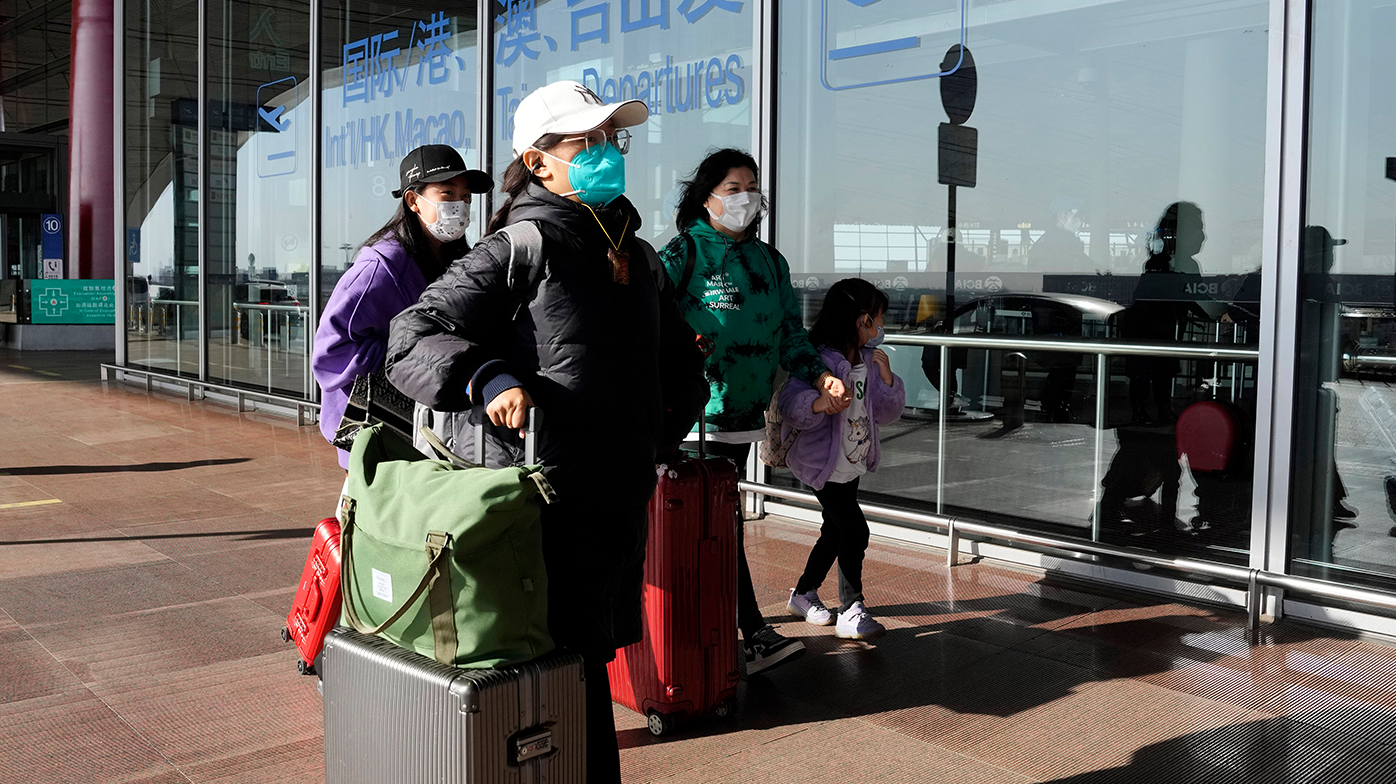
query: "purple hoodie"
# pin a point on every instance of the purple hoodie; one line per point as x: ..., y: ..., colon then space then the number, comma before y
x: 352, y: 338
x: 817, y: 449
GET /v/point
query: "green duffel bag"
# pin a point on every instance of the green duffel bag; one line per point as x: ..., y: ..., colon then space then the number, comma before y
x: 441, y: 556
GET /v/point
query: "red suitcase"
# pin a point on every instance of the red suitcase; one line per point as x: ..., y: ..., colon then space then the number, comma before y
x: 316, y: 608
x: 687, y: 664
x: 1207, y: 432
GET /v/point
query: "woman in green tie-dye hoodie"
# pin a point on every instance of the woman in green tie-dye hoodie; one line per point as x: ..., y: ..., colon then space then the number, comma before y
x: 734, y: 290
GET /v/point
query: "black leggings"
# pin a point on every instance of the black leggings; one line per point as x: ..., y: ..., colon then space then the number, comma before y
x: 603, y: 752
x: 749, y: 617
x: 842, y: 538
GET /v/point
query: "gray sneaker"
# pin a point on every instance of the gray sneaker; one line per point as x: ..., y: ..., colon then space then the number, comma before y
x: 808, y: 606
x: 856, y: 624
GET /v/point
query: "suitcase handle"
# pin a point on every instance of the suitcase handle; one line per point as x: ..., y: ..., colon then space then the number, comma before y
x: 535, y: 421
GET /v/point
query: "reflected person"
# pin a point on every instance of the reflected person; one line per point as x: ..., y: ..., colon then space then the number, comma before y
x: 1163, y: 302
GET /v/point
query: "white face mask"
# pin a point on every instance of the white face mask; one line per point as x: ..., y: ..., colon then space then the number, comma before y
x: 738, y: 209
x: 452, y: 219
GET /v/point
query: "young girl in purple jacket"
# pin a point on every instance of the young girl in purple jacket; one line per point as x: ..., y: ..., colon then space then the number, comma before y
x: 391, y: 271
x: 837, y: 444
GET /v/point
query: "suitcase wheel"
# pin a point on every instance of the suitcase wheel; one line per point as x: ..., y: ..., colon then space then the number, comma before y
x: 661, y: 725
x: 305, y: 669
x: 726, y: 708
x: 285, y: 634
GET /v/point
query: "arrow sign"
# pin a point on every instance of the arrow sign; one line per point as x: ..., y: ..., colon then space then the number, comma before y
x: 273, y: 117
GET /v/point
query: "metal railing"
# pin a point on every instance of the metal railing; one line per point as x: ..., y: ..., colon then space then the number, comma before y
x: 307, y: 413
x: 1250, y: 580
x: 268, y: 329
x: 1102, y: 350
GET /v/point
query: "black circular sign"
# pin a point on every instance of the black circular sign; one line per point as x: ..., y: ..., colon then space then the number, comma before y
x: 959, y: 87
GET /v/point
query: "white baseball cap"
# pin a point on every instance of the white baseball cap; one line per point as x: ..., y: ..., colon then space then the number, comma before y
x: 569, y: 107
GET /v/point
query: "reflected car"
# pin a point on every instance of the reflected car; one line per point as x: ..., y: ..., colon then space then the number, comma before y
x: 261, y: 292
x: 977, y: 379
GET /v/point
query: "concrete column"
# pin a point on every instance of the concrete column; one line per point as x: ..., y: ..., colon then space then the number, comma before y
x: 91, y: 246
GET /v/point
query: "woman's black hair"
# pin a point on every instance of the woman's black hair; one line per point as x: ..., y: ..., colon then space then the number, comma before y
x: 836, y: 326
x: 406, y: 228
x: 705, y: 179
x: 1178, y: 217
x: 517, y: 178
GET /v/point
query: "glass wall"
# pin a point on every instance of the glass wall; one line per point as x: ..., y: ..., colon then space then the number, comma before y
x: 690, y: 60
x: 257, y: 239
x: 161, y: 185
x: 1344, y: 489
x: 1090, y: 176
x: 1106, y: 185
x: 394, y: 76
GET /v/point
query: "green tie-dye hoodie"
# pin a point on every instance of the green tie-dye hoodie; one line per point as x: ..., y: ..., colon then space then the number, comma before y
x: 740, y: 298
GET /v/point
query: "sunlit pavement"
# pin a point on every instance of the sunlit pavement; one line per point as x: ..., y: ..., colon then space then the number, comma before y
x: 150, y: 546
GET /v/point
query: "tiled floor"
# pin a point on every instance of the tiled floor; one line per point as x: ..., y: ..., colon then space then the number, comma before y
x: 149, y: 548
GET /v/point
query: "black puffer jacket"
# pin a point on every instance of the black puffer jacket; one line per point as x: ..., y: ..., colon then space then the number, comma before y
x: 602, y: 360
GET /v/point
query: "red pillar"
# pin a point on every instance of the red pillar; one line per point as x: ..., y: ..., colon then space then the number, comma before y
x: 90, y: 216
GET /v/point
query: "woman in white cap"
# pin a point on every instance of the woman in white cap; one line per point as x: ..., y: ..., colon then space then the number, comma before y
x: 584, y: 333
x: 392, y: 269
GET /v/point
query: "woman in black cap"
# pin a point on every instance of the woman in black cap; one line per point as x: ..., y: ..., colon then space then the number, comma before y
x: 391, y: 270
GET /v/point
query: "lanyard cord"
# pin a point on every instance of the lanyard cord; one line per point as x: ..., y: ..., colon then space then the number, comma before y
x: 614, y: 245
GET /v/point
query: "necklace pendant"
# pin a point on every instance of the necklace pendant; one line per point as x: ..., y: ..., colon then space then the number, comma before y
x: 620, y: 266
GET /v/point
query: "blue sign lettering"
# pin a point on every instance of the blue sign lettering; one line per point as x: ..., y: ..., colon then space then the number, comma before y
x: 693, y: 10
x: 602, y: 33
x: 658, y: 18
x: 520, y: 23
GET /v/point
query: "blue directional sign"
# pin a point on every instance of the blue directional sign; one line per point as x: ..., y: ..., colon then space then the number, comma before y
x: 276, y: 141
x: 865, y: 43
x: 51, y: 240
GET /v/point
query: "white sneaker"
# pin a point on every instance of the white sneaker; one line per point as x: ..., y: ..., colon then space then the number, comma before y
x: 808, y: 606
x: 855, y: 624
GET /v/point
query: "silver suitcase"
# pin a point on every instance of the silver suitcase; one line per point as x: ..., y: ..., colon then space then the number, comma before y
x: 393, y: 715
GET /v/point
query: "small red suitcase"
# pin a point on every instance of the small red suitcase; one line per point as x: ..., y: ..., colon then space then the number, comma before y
x: 317, y: 605
x: 1207, y: 432
x: 687, y: 664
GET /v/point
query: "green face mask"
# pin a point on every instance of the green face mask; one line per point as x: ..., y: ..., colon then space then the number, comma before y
x: 597, y: 174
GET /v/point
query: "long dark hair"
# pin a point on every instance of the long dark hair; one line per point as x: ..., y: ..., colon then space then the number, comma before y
x: 1178, y: 217
x: 406, y: 228
x: 850, y: 299
x: 710, y: 174
x: 517, y: 178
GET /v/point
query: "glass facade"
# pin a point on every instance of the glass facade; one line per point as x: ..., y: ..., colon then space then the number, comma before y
x: 690, y: 61
x: 257, y: 251
x: 160, y: 186
x: 1116, y: 195
x: 1344, y: 490
x: 394, y: 76
x: 1075, y: 208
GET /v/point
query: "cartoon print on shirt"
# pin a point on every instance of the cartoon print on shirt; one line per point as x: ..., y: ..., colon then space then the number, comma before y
x: 859, y: 440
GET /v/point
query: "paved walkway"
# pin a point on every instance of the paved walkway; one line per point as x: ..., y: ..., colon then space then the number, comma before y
x: 149, y: 549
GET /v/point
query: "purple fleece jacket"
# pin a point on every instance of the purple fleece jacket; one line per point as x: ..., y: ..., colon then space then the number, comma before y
x: 819, y: 446
x: 352, y: 339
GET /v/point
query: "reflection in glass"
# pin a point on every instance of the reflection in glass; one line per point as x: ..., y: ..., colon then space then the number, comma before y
x: 256, y: 248
x: 690, y: 62
x: 162, y: 187
x: 1116, y: 196
x: 394, y: 76
x: 1344, y: 487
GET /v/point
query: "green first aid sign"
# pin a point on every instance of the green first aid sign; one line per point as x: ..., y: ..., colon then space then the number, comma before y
x: 72, y: 302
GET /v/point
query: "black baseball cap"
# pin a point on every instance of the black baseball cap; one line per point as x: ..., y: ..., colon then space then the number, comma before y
x: 438, y: 163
